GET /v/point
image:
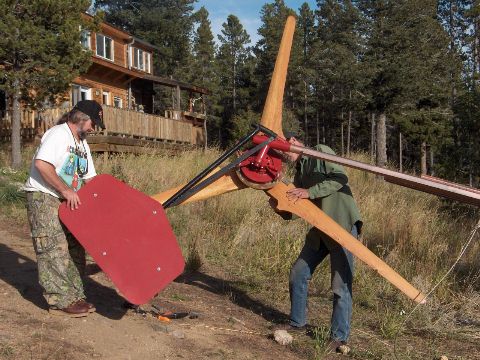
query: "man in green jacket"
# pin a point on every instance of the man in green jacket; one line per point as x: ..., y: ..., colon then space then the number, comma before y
x: 326, y: 185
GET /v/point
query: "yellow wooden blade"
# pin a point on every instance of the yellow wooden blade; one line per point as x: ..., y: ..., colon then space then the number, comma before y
x: 316, y: 217
x: 271, y: 118
x: 272, y: 111
x: 227, y: 183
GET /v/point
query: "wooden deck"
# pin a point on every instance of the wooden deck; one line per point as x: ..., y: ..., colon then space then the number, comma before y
x: 126, y: 130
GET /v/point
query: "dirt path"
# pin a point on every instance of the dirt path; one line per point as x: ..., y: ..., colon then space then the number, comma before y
x: 231, y: 324
x: 27, y: 331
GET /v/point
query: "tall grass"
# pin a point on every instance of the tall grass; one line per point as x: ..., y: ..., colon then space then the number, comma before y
x: 417, y: 234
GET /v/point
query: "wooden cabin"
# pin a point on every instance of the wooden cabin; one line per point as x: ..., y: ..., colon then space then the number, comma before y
x: 122, y: 72
x: 121, y: 78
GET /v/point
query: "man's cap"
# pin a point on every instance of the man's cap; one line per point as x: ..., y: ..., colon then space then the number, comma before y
x: 93, y: 109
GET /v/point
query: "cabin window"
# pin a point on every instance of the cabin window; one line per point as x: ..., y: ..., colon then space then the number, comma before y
x: 104, y: 47
x: 106, y: 98
x: 117, y: 101
x: 85, y: 39
x: 147, y: 62
x: 80, y: 93
x: 138, y: 59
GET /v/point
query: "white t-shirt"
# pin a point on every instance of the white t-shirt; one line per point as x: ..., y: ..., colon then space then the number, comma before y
x: 70, y: 158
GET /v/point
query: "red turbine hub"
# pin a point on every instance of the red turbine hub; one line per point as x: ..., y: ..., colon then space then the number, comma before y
x: 262, y: 168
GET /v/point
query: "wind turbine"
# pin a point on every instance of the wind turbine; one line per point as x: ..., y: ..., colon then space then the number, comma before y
x: 248, y: 176
x: 138, y: 250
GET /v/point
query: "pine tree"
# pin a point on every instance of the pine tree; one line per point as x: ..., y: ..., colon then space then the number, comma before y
x: 460, y: 159
x: 203, y: 66
x: 424, y: 67
x: 233, y: 59
x: 338, y: 76
x: 232, y: 55
x: 41, y: 54
x: 273, y: 16
x: 306, y: 36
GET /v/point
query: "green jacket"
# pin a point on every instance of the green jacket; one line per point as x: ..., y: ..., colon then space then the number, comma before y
x: 328, y: 188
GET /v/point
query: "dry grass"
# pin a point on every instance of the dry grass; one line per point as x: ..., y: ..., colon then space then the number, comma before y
x: 419, y: 235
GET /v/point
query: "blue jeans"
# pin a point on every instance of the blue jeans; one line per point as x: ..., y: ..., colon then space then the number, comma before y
x: 341, y: 280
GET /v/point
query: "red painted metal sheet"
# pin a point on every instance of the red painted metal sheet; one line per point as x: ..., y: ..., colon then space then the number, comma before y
x: 128, y: 235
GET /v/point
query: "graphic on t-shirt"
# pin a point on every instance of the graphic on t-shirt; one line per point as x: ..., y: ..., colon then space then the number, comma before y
x: 70, y: 167
x: 73, y: 168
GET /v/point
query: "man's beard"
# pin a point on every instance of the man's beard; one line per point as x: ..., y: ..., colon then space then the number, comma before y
x: 82, y: 134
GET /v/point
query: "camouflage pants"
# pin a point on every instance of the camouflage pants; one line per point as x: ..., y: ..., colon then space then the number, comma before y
x: 60, y: 257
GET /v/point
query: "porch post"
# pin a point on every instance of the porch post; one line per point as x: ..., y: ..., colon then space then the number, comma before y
x: 178, y: 104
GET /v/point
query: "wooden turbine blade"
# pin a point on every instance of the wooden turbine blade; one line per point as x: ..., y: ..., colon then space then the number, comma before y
x: 272, y: 111
x: 271, y: 118
x: 227, y: 183
x: 316, y: 217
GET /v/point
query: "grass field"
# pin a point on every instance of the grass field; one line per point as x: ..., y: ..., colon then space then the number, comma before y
x: 419, y: 235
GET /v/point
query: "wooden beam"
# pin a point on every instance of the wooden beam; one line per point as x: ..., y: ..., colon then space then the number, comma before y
x: 174, y: 83
x: 118, y: 77
x: 111, y: 65
x: 436, y: 187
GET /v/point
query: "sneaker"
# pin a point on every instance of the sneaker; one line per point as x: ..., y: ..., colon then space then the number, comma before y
x: 74, y: 310
x: 340, y: 347
x: 91, y: 307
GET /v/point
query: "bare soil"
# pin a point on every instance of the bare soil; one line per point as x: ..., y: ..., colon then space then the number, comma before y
x: 222, y: 330
x: 230, y: 324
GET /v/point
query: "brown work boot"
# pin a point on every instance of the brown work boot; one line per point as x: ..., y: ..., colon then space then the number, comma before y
x: 75, y: 310
x: 91, y: 307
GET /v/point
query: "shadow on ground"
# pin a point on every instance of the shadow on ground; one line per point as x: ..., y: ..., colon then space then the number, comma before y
x: 237, y: 296
x: 21, y: 272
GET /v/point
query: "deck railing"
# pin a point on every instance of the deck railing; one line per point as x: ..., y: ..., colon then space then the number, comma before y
x: 117, y: 121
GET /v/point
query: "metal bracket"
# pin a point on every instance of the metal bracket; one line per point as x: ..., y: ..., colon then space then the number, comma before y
x: 196, y: 184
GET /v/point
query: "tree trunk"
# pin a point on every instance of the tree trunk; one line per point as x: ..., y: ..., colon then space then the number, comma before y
x: 372, y: 138
x: 343, y: 142
x: 349, y: 130
x: 452, y: 49
x: 342, y: 135
x: 476, y: 56
x: 305, y: 111
x: 382, y: 140
x: 16, y: 128
x: 349, y: 124
x: 324, y: 138
x: 205, y: 127
x: 318, y: 129
x: 423, y: 161
x: 432, y: 172
x: 234, y: 95
x: 400, y: 152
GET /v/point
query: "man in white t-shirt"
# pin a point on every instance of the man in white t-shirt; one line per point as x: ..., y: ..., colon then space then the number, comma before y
x: 60, y: 166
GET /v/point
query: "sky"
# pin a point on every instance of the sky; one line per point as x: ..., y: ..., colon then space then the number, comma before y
x: 248, y: 11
